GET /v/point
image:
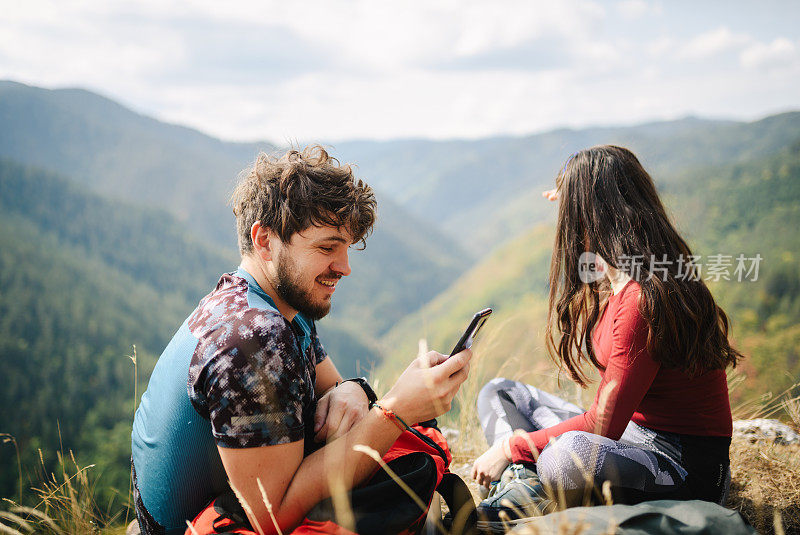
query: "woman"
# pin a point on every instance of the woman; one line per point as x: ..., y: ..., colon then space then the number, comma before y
x: 624, y: 296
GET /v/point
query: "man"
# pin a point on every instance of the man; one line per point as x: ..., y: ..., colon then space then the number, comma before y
x: 245, y: 393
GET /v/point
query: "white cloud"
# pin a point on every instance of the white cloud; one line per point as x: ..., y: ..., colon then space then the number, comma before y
x: 55, y: 45
x: 482, y: 30
x: 374, y: 69
x: 472, y: 104
x: 713, y: 43
x: 366, y: 33
x: 780, y: 52
x: 636, y: 9
x: 661, y: 46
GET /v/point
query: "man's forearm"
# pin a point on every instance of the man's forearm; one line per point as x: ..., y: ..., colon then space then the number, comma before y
x: 327, y: 377
x: 336, y: 466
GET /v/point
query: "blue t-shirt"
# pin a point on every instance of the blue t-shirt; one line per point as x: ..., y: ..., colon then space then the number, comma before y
x: 237, y: 374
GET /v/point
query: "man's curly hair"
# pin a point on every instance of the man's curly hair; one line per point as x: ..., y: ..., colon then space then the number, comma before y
x: 298, y: 190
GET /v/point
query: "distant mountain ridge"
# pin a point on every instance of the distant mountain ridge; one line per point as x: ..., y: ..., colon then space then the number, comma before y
x: 478, y: 192
x: 122, y: 154
x: 127, y: 156
x: 484, y: 192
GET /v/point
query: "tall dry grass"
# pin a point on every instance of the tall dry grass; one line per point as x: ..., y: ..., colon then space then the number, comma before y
x: 64, y: 502
x: 64, y: 505
x: 765, y: 486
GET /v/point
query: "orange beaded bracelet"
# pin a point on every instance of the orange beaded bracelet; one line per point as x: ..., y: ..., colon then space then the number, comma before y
x: 392, y: 417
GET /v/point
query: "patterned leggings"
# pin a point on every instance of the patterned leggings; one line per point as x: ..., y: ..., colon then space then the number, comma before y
x: 644, y: 464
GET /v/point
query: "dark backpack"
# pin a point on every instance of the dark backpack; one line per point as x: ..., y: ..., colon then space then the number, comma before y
x: 420, y: 458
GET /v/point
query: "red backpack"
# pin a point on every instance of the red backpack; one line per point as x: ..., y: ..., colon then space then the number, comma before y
x: 420, y: 457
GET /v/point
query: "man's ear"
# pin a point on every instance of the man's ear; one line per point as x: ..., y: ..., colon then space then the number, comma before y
x: 260, y: 237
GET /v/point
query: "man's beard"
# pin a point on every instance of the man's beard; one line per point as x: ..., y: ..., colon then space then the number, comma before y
x: 290, y: 290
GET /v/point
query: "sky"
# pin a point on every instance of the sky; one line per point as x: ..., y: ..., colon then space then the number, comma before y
x: 323, y: 70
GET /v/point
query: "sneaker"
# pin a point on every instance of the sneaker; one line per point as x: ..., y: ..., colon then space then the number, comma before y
x: 518, y: 495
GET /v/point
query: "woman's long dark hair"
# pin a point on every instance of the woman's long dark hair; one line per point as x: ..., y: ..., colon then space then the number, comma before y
x: 609, y: 206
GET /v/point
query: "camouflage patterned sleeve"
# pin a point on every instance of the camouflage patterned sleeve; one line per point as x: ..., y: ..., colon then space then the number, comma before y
x: 319, y: 351
x: 255, y: 385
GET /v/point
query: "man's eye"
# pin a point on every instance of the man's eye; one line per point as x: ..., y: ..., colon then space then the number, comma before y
x: 327, y: 249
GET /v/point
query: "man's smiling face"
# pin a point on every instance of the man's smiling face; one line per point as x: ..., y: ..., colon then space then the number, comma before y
x: 308, y: 268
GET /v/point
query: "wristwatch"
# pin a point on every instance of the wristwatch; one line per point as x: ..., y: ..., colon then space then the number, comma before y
x: 362, y: 382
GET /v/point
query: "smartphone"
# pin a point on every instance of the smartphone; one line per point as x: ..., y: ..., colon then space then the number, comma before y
x: 472, y: 331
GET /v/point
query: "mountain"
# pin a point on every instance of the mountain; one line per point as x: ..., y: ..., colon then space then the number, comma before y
x: 123, y: 154
x: 118, y: 153
x: 486, y: 191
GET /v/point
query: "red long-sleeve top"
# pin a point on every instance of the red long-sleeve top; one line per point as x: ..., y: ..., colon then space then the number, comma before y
x: 635, y: 387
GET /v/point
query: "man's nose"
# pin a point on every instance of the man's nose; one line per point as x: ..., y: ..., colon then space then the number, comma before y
x: 341, y: 264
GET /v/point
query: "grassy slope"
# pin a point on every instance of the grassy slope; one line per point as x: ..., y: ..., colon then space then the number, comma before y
x: 513, y: 280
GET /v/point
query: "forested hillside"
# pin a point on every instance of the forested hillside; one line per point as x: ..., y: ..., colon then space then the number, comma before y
x: 83, y: 280
x: 753, y: 208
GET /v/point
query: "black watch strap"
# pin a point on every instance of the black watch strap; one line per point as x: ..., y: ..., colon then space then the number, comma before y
x: 362, y: 382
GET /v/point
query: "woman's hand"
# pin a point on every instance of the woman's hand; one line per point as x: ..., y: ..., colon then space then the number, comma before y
x: 489, y: 466
x: 427, y: 387
x: 551, y: 194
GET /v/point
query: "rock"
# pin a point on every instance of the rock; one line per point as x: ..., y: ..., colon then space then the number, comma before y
x: 765, y: 429
x: 451, y: 435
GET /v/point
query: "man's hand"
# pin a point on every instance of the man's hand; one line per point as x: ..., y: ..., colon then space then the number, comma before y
x: 489, y: 466
x: 426, y: 388
x: 338, y: 410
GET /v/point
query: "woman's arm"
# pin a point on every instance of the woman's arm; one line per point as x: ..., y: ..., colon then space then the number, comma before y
x: 630, y: 370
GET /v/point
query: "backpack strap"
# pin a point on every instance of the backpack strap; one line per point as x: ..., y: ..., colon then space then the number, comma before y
x: 427, y: 440
x: 463, y: 517
x: 231, y: 517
